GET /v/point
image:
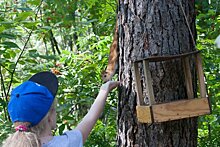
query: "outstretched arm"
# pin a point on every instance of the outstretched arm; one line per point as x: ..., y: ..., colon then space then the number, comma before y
x: 88, y: 122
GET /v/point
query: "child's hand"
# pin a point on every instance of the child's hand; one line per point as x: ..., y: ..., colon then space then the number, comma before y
x: 110, y: 85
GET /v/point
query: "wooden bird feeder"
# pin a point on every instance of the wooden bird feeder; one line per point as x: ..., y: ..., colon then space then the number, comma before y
x: 186, y: 108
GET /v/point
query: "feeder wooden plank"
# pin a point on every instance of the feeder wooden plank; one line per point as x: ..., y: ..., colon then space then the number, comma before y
x: 164, y: 58
x: 201, y: 79
x: 188, y: 77
x: 137, y: 78
x: 144, y: 114
x: 148, y: 81
x: 180, y: 109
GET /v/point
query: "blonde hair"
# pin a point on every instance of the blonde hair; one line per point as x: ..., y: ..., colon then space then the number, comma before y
x: 31, y: 137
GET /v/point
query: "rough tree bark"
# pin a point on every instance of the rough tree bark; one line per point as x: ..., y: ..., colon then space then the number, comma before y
x: 154, y: 28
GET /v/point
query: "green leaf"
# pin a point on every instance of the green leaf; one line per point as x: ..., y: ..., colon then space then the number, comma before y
x: 23, y: 15
x: 48, y: 57
x: 88, y: 22
x: 32, y: 51
x: 47, y: 27
x: 34, y: 61
x: 12, y: 66
x: 3, y: 103
x: 6, y: 22
x: 2, y: 51
x: 61, y: 128
x: 29, y: 24
x: 8, y: 44
x: 24, y: 9
x: 9, y: 36
x: 2, y: 28
x: 12, y: 53
x: 21, y: 62
x: 6, y: 55
x: 34, y: 2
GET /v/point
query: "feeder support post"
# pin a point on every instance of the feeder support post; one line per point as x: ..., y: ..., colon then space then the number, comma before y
x: 201, y: 79
x: 148, y: 81
x: 137, y: 78
x: 188, y: 77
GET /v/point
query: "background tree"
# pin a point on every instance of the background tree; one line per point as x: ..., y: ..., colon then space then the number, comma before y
x: 208, y: 24
x: 155, y: 28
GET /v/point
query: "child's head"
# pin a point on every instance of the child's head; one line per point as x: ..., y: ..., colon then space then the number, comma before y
x: 32, y: 109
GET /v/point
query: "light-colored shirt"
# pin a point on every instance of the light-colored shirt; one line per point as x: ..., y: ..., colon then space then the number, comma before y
x: 71, y: 138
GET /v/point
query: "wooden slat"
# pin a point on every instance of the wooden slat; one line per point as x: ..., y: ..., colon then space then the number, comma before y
x: 202, y: 87
x: 164, y: 58
x: 148, y: 81
x: 144, y: 114
x: 188, y: 77
x: 180, y: 109
x: 137, y: 78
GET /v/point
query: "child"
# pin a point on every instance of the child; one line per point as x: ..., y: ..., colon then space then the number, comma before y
x: 32, y: 110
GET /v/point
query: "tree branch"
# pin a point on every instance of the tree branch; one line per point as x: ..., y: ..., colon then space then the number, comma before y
x: 4, y: 92
x: 54, y: 43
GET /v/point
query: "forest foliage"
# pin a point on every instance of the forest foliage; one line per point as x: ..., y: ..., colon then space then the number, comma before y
x: 72, y: 38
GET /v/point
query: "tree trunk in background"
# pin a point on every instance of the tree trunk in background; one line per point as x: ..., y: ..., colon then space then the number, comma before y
x: 154, y: 28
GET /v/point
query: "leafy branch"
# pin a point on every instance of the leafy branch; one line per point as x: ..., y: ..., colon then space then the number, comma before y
x: 18, y: 59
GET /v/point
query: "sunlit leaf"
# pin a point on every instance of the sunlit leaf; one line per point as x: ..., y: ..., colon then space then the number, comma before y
x: 2, y: 28
x: 23, y: 15
x: 34, y: 2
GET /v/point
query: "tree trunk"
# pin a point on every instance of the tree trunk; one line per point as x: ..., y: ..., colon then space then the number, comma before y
x: 154, y: 28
